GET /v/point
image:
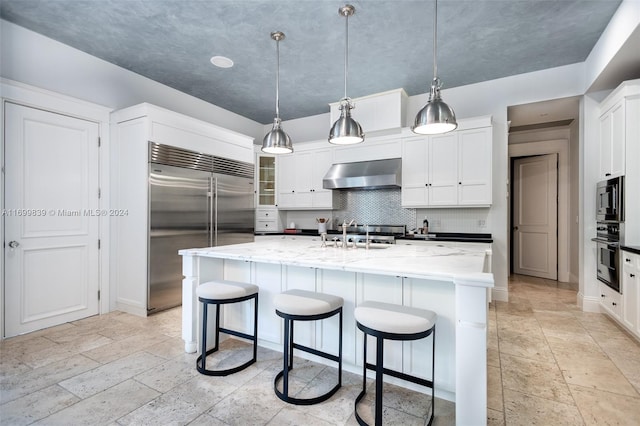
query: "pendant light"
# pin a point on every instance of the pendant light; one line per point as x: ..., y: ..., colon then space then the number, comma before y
x: 277, y: 141
x: 436, y: 116
x: 346, y: 130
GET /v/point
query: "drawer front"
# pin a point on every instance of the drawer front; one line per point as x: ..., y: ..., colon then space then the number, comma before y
x: 266, y: 214
x: 266, y: 225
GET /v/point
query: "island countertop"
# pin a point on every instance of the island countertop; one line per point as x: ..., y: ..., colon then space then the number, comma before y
x: 449, y: 263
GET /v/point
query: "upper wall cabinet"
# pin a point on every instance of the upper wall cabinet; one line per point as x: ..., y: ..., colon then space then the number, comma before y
x: 618, y: 128
x: 612, y: 141
x: 449, y: 170
x: 300, y: 180
x: 265, y: 180
x: 379, y: 112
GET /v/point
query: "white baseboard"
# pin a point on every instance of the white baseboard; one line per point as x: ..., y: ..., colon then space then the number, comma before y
x: 500, y: 294
x: 588, y: 304
x: 131, y: 309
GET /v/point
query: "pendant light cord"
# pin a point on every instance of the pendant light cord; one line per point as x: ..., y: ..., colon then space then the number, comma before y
x: 346, y: 55
x: 278, y: 79
x: 435, y: 38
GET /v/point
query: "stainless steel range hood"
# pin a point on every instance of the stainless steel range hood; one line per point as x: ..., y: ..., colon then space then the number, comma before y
x: 364, y: 175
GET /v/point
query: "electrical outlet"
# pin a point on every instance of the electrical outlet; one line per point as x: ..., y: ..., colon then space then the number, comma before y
x: 482, y: 223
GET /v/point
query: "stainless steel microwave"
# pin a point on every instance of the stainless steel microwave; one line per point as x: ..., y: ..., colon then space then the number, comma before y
x: 610, y: 200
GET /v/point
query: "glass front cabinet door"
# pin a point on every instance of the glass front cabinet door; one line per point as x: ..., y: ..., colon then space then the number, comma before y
x: 266, y: 181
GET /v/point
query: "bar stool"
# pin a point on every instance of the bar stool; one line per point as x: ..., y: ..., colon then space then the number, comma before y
x: 392, y: 322
x: 219, y: 293
x: 301, y: 305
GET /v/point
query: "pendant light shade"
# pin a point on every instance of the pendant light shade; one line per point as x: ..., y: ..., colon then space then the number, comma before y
x: 277, y: 141
x: 436, y: 116
x: 346, y: 130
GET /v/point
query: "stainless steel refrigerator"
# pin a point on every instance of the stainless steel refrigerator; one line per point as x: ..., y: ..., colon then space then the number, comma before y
x: 195, y: 200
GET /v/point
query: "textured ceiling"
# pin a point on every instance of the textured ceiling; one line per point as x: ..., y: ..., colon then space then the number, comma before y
x: 171, y: 41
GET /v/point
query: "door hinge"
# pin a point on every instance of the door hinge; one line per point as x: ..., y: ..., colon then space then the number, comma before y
x: 99, y: 142
x: 98, y: 244
x: 98, y: 294
x: 99, y: 192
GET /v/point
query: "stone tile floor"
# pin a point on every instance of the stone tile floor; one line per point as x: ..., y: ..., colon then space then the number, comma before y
x: 548, y: 364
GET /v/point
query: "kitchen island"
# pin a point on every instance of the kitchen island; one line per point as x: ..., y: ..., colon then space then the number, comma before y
x: 450, y: 280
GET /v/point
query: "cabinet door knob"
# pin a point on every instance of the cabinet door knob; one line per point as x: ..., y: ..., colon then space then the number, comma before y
x: 602, y: 295
x: 614, y: 303
x: 626, y: 259
x: 632, y: 275
x: 607, y: 174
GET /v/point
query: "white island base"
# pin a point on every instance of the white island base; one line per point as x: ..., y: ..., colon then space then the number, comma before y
x: 448, y: 280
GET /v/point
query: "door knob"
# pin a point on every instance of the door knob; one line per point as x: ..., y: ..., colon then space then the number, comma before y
x: 515, y: 228
x: 13, y: 244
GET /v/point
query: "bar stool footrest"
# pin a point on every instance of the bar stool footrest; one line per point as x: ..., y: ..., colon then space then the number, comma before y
x: 403, y: 376
x: 302, y: 401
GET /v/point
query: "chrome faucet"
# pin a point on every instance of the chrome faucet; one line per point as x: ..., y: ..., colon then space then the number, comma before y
x: 345, y: 225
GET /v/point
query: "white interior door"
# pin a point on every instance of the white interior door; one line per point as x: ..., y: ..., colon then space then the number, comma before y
x: 51, y: 219
x: 535, y: 217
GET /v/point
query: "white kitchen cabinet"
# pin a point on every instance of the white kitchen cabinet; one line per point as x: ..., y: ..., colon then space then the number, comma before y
x: 378, y: 112
x: 438, y: 297
x: 131, y: 131
x: 379, y: 148
x: 474, y: 167
x: 379, y: 288
x: 443, y: 169
x: 267, y: 220
x: 449, y: 170
x: 611, y: 302
x: 265, y: 180
x: 630, y: 291
x: 415, y: 171
x: 300, y: 180
x: 268, y: 277
x: 612, y: 141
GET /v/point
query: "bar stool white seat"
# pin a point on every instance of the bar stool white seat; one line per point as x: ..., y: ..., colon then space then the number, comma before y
x: 218, y: 293
x: 393, y: 322
x: 302, y: 305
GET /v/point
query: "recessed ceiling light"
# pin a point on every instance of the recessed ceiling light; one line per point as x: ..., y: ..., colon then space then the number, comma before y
x: 221, y: 62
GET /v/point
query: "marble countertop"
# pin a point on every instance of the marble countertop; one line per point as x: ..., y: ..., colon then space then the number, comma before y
x: 462, y: 264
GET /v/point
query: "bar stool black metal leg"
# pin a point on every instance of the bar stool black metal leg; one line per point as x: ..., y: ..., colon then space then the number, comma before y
x: 379, y: 374
x: 286, y: 361
x: 205, y: 308
x: 291, y: 324
x: 340, y: 352
x: 255, y: 328
x: 215, y: 348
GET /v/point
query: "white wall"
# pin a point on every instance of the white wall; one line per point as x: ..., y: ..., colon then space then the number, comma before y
x: 574, y: 200
x: 613, y: 57
x: 31, y: 58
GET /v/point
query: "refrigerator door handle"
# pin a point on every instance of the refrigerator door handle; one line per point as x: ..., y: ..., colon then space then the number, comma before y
x: 213, y: 208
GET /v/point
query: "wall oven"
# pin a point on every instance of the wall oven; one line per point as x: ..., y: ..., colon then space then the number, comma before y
x: 608, y: 254
x: 609, y: 200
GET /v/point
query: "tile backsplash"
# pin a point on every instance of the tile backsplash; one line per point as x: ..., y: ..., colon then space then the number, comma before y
x: 382, y: 206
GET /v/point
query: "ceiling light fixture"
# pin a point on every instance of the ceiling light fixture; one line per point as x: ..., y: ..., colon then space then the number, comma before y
x: 221, y: 61
x: 436, y: 116
x: 277, y: 141
x: 346, y: 130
